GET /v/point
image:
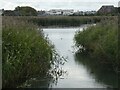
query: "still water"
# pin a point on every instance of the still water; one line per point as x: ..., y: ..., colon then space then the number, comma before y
x: 79, y: 74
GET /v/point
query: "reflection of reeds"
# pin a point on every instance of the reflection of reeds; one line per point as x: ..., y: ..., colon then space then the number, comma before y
x: 25, y: 51
x: 102, y: 73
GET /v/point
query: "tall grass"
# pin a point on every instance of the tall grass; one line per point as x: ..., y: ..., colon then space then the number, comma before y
x: 65, y: 21
x: 25, y: 52
x: 101, y: 42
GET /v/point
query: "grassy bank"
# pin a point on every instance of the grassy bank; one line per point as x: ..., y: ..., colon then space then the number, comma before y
x: 101, y: 42
x: 25, y: 52
x: 65, y: 21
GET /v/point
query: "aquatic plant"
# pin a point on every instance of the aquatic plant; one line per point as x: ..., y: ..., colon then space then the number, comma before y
x: 65, y: 21
x: 25, y: 52
x: 101, y: 42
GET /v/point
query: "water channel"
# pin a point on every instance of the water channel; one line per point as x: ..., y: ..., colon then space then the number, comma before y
x: 79, y: 74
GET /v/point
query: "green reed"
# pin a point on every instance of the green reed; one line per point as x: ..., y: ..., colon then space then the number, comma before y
x: 25, y: 52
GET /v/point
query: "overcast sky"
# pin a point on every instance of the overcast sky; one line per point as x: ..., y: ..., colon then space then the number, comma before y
x: 82, y: 5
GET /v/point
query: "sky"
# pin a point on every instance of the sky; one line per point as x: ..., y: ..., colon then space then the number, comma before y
x: 82, y: 5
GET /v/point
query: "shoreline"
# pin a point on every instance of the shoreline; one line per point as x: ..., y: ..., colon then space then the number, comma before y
x: 64, y: 27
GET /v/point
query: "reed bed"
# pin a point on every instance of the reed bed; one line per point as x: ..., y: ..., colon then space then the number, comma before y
x: 66, y: 21
x: 25, y: 52
x: 101, y: 42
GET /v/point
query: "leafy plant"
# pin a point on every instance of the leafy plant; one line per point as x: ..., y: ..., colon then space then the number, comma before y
x: 101, y: 42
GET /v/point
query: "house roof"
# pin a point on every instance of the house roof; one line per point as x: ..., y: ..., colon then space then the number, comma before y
x: 106, y: 9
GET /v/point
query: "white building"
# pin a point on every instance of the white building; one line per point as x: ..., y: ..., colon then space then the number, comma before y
x: 59, y: 12
x: 54, y: 12
x: 68, y: 12
x: 89, y: 12
x: 79, y: 13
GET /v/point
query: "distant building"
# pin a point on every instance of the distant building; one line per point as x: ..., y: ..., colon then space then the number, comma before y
x: 106, y: 10
x: 60, y: 12
x: 54, y: 12
x: 82, y: 13
x: 68, y: 12
x: 89, y: 12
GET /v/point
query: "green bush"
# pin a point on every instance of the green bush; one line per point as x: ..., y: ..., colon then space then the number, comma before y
x: 101, y: 42
x: 25, y: 52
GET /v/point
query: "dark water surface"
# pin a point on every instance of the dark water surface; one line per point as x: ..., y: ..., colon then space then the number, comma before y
x: 81, y: 72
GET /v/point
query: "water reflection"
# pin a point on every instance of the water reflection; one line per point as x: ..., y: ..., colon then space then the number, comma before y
x: 77, y: 75
x: 56, y: 72
x: 102, y: 74
x: 78, y: 71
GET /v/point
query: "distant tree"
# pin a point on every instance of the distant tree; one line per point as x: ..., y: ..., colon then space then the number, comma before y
x: 8, y: 13
x: 25, y: 11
